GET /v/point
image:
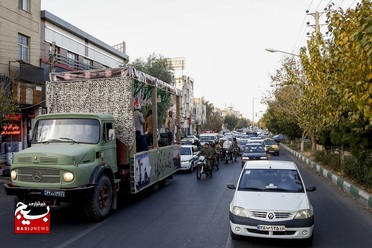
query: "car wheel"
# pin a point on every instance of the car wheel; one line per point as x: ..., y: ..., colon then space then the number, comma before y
x: 234, y: 236
x: 192, y: 167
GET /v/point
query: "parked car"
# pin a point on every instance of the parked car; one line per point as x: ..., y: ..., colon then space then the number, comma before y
x: 253, y: 151
x: 271, y: 146
x: 270, y: 201
x: 279, y: 137
x: 189, y: 158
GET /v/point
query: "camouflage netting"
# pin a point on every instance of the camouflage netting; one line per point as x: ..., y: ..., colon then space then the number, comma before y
x: 112, y: 96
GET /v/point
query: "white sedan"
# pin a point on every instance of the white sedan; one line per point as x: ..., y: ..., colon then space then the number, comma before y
x: 270, y: 201
x: 189, y: 157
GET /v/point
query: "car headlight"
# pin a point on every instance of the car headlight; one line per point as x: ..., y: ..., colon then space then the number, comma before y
x: 246, y: 158
x: 68, y: 176
x: 263, y: 157
x: 13, y: 174
x: 239, y: 211
x: 303, y: 214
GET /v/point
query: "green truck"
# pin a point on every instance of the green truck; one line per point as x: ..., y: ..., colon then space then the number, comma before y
x: 84, y: 150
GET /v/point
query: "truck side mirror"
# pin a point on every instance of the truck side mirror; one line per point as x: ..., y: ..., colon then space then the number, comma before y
x: 111, y: 134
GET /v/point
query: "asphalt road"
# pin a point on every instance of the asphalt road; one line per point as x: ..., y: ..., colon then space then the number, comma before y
x: 187, y: 212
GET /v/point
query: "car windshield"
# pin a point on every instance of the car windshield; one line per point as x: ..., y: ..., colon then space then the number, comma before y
x: 270, y: 142
x: 66, y: 130
x: 185, y: 151
x: 253, y: 149
x: 206, y: 138
x: 270, y: 180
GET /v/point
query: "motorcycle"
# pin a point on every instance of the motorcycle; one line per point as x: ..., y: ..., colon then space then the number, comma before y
x: 235, y: 153
x: 228, y: 156
x: 202, y: 168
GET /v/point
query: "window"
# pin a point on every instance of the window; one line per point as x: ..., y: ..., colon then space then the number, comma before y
x: 24, y: 5
x: 88, y: 64
x: 23, y: 47
x: 72, y: 59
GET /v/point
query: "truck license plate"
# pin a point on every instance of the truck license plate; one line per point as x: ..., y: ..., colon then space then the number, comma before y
x: 271, y: 228
x: 56, y: 193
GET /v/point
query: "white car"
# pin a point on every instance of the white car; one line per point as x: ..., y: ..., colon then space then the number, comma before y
x: 189, y: 158
x: 270, y: 201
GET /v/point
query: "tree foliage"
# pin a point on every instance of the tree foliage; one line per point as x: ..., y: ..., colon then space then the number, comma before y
x: 230, y: 122
x: 157, y: 66
x: 213, y: 121
x: 7, y: 106
x: 329, y: 97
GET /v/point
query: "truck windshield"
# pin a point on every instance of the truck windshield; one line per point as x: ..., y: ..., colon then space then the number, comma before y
x: 66, y: 130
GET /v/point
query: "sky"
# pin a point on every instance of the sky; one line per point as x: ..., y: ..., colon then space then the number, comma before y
x: 223, y: 41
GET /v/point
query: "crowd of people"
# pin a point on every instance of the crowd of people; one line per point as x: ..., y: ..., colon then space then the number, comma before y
x: 213, y: 151
x: 144, y: 128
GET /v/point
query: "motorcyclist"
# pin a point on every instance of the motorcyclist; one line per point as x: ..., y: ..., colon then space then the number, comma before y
x: 227, y: 147
x: 235, y: 148
x: 208, y: 152
x: 217, y: 149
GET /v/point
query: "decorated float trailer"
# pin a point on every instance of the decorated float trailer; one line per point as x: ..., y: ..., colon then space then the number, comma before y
x: 84, y: 150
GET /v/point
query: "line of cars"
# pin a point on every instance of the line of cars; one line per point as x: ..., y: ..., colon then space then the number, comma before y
x: 270, y: 199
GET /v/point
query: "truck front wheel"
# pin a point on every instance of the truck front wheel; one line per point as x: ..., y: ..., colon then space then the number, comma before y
x: 99, y: 203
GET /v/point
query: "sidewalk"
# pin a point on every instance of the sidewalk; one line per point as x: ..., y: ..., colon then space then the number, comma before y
x: 362, y: 196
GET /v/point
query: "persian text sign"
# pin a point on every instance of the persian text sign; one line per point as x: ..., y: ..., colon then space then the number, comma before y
x: 32, y: 218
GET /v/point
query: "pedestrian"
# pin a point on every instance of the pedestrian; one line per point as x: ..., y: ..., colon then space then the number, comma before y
x: 138, y: 125
x: 170, y: 125
x: 148, y: 128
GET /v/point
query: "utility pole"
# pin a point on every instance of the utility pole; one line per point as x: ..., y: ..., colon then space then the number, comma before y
x: 316, y: 16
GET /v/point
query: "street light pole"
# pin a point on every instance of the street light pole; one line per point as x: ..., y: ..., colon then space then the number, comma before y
x: 272, y: 50
x: 253, y: 112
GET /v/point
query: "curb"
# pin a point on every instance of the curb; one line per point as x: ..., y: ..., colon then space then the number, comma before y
x: 361, y: 195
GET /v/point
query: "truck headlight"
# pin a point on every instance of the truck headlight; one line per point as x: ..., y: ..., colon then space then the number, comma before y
x: 13, y: 174
x: 68, y: 176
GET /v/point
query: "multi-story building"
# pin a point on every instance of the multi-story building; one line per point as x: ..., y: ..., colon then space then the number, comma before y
x: 65, y: 47
x: 187, y: 121
x: 200, y: 112
x: 20, y: 74
x: 34, y: 43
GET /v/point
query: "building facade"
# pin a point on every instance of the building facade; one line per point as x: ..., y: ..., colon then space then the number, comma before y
x: 187, y: 120
x: 34, y: 43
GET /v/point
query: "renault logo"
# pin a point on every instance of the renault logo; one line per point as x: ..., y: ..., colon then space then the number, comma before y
x: 271, y: 216
x: 37, y: 176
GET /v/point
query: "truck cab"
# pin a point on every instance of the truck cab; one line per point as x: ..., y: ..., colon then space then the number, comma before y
x: 69, y: 154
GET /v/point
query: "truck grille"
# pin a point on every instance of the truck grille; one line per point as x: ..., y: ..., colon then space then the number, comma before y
x: 41, y: 160
x: 38, y: 175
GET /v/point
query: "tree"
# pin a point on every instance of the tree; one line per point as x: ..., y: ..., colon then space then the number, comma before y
x: 230, y: 122
x: 340, y: 74
x: 213, y: 121
x: 242, y: 122
x: 157, y: 66
x: 286, y: 114
x: 7, y: 106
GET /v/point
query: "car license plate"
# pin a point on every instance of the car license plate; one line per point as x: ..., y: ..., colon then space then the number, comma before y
x: 271, y: 228
x: 56, y: 193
